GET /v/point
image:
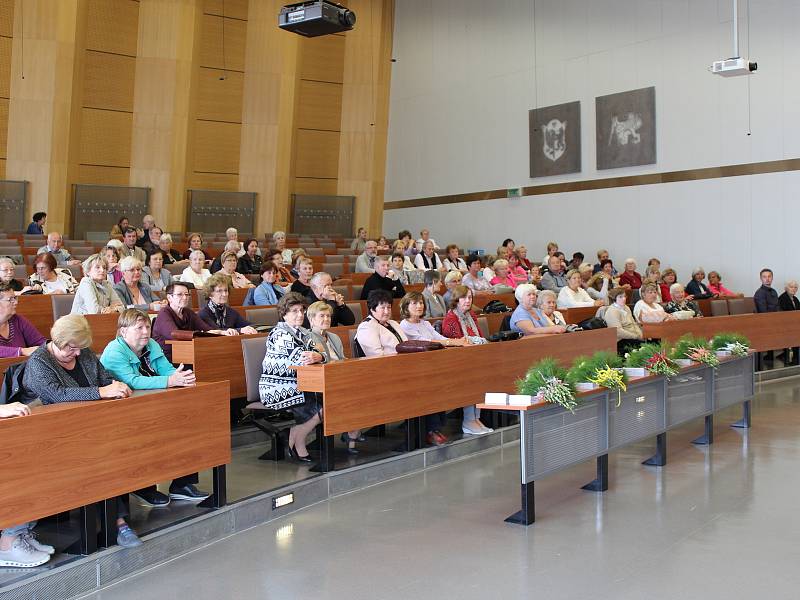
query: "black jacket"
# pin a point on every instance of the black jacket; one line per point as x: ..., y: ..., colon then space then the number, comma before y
x: 787, y: 302
x: 376, y: 282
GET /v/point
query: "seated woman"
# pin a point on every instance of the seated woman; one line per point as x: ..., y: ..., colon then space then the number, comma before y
x: 135, y: 359
x: 680, y: 306
x: 629, y: 333
x: 434, y: 303
x: 515, y: 270
x: 217, y: 314
x: 177, y: 316
x: 66, y: 370
x: 229, y: 263
x: 7, y: 272
x: 250, y: 261
x: 305, y: 269
x: 49, y: 278
x: 428, y: 259
x: 595, y: 284
x: 474, y: 278
x: 289, y: 343
x: 330, y: 345
x: 460, y: 321
x: 453, y: 262
x: 383, y: 245
x: 378, y: 335
x: 715, y: 287
x: 230, y: 246
x: 95, y: 295
x: 648, y: 310
x: 196, y: 273
x: 653, y: 275
x: 268, y: 292
x: 131, y: 290
x: 573, y: 295
x: 526, y: 318
x: 409, y: 245
x: 297, y: 254
x: 550, y: 317
x: 522, y: 252
x: 165, y: 245
x: 397, y: 268
x: 696, y: 288
x: 285, y: 277
x: 451, y: 280
x: 154, y: 274
x: 552, y: 248
x: 630, y: 278
x: 18, y: 336
x: 120, y: 227
x: 488, y: 271
x: 113, y: 274
x: 412, y: 309
x: 502, y: 276
x: 195, y: 245
x: 668, y: 277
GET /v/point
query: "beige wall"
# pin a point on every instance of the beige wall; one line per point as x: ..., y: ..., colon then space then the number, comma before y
x: 149, y: 93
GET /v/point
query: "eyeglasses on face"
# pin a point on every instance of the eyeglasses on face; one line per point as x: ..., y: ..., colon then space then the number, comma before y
x: 9, y: 299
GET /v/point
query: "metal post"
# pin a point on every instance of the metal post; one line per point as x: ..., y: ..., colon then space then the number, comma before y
x: 736, y: 29
x: 746, y: 420
x: 326, y: 462
x: 219, y: 489
x: 108, y: 523
x: 659, y: 459
x: 599, y: 484
x: 527, y: 513
x: 708, y: 436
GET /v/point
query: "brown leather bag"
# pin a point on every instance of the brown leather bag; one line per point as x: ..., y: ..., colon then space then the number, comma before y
x: 410, y: 346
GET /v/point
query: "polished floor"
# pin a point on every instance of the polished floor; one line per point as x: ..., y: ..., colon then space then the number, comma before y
x: 716, y: 522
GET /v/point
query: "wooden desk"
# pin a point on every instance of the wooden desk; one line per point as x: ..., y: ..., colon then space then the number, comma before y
x: 7, y: 362
x: 766, y: 331
x: 576, y: 315
x: 104, y: 329
x: 38, y: 309
x: 74, y: 454
x: 215, y: 359
x: 364, y: 392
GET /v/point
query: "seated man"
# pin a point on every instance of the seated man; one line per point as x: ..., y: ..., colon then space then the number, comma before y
x: 365, y: 263
x: 55, y: 246
x: 136, y: 360
x: 129, y: 247
x: 380, y: 280
x: 322, y: 289
x: 555, y: 278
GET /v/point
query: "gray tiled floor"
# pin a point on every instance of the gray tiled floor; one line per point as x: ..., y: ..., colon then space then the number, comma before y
x: 718, y: 522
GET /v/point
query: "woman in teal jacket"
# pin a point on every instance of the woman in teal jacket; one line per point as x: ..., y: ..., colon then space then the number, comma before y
x: 137, y: 360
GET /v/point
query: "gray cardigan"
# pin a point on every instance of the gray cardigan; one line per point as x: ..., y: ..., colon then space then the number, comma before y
x: 331, y: 348
x: 45, y: 378
x: 159, y: 283
x: 127, y: 299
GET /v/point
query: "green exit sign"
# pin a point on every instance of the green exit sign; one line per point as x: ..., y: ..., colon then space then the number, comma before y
x: 513, y: 192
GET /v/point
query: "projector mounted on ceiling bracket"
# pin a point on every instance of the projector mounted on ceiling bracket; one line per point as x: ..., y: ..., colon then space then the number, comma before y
x: 319, y: 17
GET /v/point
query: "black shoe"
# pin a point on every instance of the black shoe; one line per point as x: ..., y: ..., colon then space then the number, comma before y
x: 151, y: 498
x: 292, y: 453
x: 348, y: 440
x: 187, y: 492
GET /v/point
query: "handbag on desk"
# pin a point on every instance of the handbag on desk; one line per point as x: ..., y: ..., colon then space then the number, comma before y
x: 410, y: 346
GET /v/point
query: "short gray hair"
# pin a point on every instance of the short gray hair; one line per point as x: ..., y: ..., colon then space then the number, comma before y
x: 4, y: 260
x: 698, y: 270
x: 166, y: 238
x: 544, y: 295
x: 197, y: 253
x: 675, y: 287
x: 279, y: 234
x: 523, y: 290
x: 128, y: 263
x: 314, y: 281
x: 791, y: 283
x: 94, y: 258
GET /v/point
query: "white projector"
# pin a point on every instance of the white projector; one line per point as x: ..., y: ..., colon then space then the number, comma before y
x: 732, y: 67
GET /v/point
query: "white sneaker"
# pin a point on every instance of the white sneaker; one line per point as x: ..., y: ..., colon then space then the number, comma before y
x: 471, y: 431
x: 30, y: 537
x: 22, y: 554
x: 486, y: 429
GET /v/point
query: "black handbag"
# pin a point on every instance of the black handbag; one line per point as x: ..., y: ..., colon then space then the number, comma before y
x: 495, y: 306
x: 593, y: 323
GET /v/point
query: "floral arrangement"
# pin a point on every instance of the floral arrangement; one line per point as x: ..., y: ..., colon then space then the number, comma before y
x: 702, y: 355
x: 735, y: 343
x: 584, y: 368
x: 689, y: 344
x: 637, y: 359
x: 546, y: 381
x: 612, y: 379
x: 660, y: 364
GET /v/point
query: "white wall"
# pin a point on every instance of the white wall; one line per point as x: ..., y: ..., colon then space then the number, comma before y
x: 463, y: 84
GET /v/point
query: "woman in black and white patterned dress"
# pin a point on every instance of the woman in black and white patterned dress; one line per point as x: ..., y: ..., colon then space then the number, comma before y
x: 290, y: 344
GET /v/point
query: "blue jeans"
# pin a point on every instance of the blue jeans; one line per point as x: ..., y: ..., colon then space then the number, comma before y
x: 17, y: 529
x: 471, y: 413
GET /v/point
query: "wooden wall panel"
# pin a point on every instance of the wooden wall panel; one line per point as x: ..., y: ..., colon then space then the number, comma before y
x: 113, y: 26
x: 3, y: 127
x: 236, y: 9
x: 310, y: 185
x: 213, y: 181
x: 316, y: 154
x: 211, y: 43
x: 109, y: 81
x: 6, y: 17
x: 219, y: 100
x: 216, y: 147
x: 319, y: 105
x: 5, y: 67
x: 323, y: 58
x: 103, y: 175
x: 2, y: 168
x: 105, y: 138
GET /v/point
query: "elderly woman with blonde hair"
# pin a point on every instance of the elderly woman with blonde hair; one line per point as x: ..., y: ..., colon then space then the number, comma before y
x: 527, y: 319
x: 680, y: 306
x: 133, y: 292
x: 595, y: 284
x: 95, y: 295
x: 573, y: 295
x: 648, y: 310
x: 618, y: 315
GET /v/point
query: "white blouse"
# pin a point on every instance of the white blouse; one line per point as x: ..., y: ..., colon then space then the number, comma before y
x: 644, y: 313
x: 199, y: 280
x: 569, y: 299
x: 421, y: 331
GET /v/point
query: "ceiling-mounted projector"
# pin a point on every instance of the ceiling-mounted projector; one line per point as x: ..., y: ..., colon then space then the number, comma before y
x: 731, y: 67
x: 319, y: 17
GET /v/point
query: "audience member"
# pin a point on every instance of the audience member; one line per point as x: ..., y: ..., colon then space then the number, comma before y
x: 412, y: 308
x: 515, y: 270
x: 66, y: 370
x: 230, y: 246
x: 451, y: 280
x: 397, y: 268
x: 618, y: 315
x: 291, y: 344
x: 573, y: 295
x: 36, y: 226
x: 765, y: 297
x: 788, y: 301
x: 132, y: 291
x: 360, y: 241
x: 546, y: 303
x: 285, y: 277
x: 170, y: 255
x: 526, y: 318
x: 229, y: 263
x: 378, y: 334
x: 596, y: 285
x: 7, y: 272
x: 696, y: 288
x: 195, y: 245
x: 410, y: 247
x: 250, y: 258
x: 383, y: 245
x: 55, y: 246
x: 720, y: 291
x: 453, y: 262
x: 95, y: 295
x: 473, y: 279
x: 680, y: 306
x: 297, y: 254
x: 502, y: 276
x: 268, y: 292
x: 602, y: 255
x: 136, y: 360
x: 668, y: 277
x: 322, y: 289
x: 279, y: 243
x: 380, y: 280
x: 217, y: 313
x: 428, y: 259
x: 18, y: 336
x: 434, y: 303
x: 488, y: 272
x: 111, y: 254
x: 576, y: 262
x: 502, y: 253
x: 425, y: 236
x: 148, y: 224
x: 195, y: 273
x: 555, y: 278
x: 648, y: 310
x: 151, y: 242
x: 522, y: 251
x: 552, y: 248
x: 305, y: 269
x: 129, y: 247
x: 365, y: 263
x: 154, y: 274
x: 118, y: 230
x: 460, y: 320
x: 50, y: 279
x: 630, y: 278
x: 509, y: 245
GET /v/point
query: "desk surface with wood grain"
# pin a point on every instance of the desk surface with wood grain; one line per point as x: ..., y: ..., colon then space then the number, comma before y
x: 369, y: 391
x: 766, y: 331
x: 68, y: 455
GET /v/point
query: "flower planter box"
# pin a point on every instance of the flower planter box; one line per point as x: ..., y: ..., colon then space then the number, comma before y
x: 635, y: 371
x: 586, y: 386
x: 684, y: 362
